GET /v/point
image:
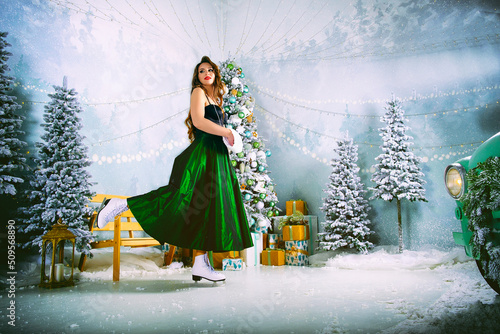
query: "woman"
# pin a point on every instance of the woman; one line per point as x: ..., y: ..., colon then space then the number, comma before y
x: 201, y: 208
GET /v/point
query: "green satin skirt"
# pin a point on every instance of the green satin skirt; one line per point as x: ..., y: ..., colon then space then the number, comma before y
x: 201, y: 207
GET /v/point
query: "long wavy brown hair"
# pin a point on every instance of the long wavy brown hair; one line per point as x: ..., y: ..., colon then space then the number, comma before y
x: 218, y: 91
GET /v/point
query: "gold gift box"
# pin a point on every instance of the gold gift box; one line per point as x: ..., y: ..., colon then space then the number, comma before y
x: 217, y: 257
x: 295, y: 232
x: 273, y: 257
x: 299, y: 206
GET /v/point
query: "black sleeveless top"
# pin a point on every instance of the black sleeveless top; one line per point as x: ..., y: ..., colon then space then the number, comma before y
x: 214, y: 113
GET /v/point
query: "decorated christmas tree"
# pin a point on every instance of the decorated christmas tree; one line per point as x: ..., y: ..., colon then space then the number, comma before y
x: 12, y: 161
x: 60, y: 187
x: 397, y: 175
x: 345, y: 208
x: 250, y: 165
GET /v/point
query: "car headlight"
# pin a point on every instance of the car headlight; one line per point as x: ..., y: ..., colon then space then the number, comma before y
x: 455, y: 180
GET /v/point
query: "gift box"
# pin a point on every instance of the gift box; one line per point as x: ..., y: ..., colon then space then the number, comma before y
x: 251, y: 256
x: 216, y: 258
x: 295, y: 232
x: 314, y: 229
x: 297, y: 253
x: 272, y: 241
x: 273, y: 257
x: 292, y: 206
x: 232, y: 263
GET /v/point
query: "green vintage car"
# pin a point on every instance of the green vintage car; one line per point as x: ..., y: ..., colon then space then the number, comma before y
x: 456, y: 184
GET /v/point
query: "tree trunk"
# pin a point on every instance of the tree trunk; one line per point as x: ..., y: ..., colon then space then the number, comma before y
x: 400, y: 227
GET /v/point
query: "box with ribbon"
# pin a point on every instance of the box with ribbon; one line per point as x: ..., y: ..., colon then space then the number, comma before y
x: 295, y: 232
x: 296, y: 253
x: 273, y: 257
x: 273, y: 240
x: 298, y: 205
x: 232, y: 263
x: 216, y: 258
x: 251, y: 256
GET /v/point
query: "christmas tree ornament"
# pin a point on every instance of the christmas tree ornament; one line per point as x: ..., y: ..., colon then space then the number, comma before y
x: 261, y: 155
x: 262, y: 196
x: 259, y: 205
x: 270, y: 213
x: 256, y: 144
x: 252, y: 156
x: 230, y: 66
x: 276, y: 212
x: 248, y: 169
x: 268, y: 153
x: 234, y: 163
x: 270, y: 187
x: 234, y: 92
x: 250, y: 182
x: 261, y: 168
x: 248, y: 197
x: 248, y: 134
x: 242, y: 167
x: 232, y: 99
x: 235, y: 81
x: 247, y: 147
x: 239, y: 94
x: 256, y: 200
x: 255, y: 134
x: 253, y: 164
x: 263, y: 223
x: 242, y: 75
x: 272, y: 204
x: 245, y: 89
x: 227, y: 109
x: 241, y: 114
x: 240, y: 155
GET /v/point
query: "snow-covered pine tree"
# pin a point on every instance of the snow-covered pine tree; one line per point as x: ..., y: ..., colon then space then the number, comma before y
x: 397, y: 175
x: 345, y: 208
x: 12, y: 159
x: 60, y: 187
x: 250, y: 165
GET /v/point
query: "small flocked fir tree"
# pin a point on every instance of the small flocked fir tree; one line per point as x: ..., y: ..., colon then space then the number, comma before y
x: 397, y: 174
x: 60, y: 184
x: 12, y: 160
x: 345, y: 208
x: 250, y: 165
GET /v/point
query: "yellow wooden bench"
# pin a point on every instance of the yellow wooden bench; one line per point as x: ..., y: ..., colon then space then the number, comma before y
x: 122, y: 222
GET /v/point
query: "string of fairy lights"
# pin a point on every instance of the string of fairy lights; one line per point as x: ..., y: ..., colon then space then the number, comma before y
x: 277, y: 123
x: 273, y: 41
x: 275, y: 33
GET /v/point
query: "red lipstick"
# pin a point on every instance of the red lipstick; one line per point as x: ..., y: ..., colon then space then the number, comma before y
x: 208, y: 78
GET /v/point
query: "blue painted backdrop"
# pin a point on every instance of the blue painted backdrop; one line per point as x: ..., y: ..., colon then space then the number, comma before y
x: 315, y: 68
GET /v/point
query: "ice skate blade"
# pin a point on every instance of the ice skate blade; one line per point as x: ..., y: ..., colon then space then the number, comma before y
x: 197, y: 278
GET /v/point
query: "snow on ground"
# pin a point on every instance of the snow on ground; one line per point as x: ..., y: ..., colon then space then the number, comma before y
x: 427, y: 291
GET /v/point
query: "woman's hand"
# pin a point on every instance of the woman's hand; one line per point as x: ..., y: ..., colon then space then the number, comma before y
x: 230, y: 137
